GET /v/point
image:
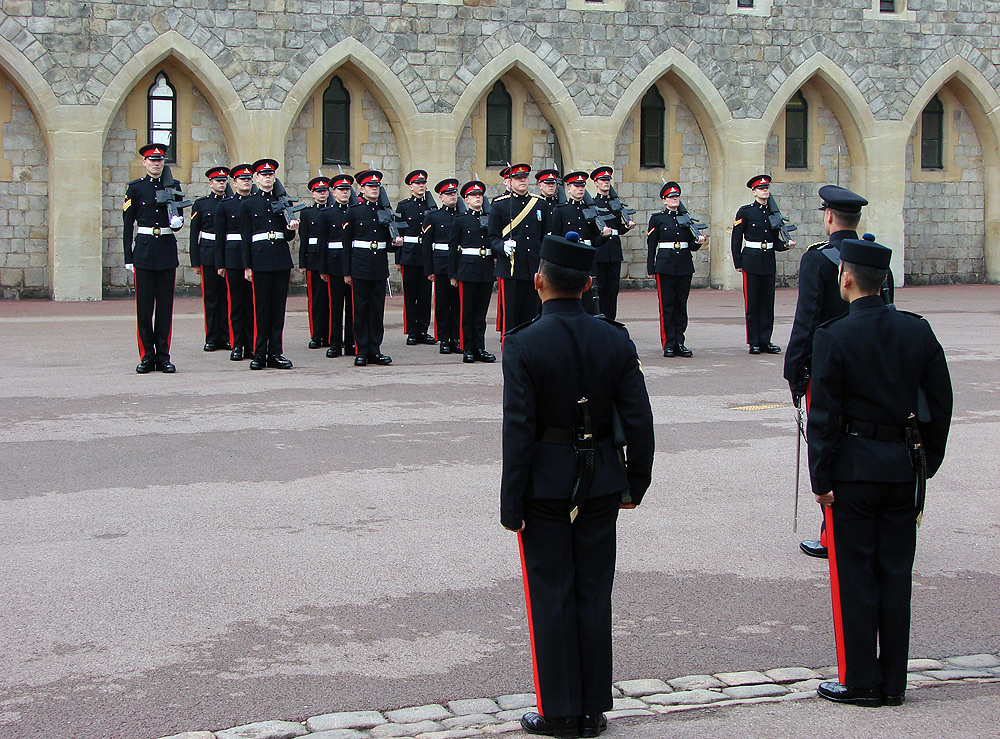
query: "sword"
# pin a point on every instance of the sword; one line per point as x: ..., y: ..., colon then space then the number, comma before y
x: 798, y: 462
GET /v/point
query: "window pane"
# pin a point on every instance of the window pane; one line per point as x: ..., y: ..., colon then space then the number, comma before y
x: 336, y: 124
x: 498, y: 126
x: 932, y: 135
x: 887, y: 6
x: 161, y: 115
x: 651, y: 134
x: 796, y: 133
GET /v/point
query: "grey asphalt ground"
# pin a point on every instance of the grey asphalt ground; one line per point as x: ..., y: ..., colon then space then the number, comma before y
x: 220, y: 546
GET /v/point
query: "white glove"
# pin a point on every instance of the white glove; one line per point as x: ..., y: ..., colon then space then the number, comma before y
x: 509, y: 246
x: 130, y: 268
x: 176, y: 222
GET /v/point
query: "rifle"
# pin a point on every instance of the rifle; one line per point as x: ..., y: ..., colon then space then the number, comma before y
x: 387, y: 216
x: 692, y: 224
x: 484, y: 219
x: 431, y: 202
x: 593, y: 214
x: 283, y: 203
x: 779, y: 222
x: 171, y: 194
x: 616, y: 206
x: 561, y: 194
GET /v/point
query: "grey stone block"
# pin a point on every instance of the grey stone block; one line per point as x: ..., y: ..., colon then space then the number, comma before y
x: 974, y: 661
x: 742, y: 692
x: 639, y: 688
x: 420, y: 727
x: 695, y: 697
x: 695, y: 682
x: 957, y: 674
x: 191, y: 735
x: 264, y: 730
x: 345, y: 720
x: 473, y: 705
x: 339, y: 734
x: 748, y: 677
x: 470, y: 719
x: 516, y: 700
x: 792, y: 674
x: 919, y: 665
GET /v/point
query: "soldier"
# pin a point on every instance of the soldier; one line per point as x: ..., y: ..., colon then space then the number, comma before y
x: 668, y: 259
x: 153, y: 260
x: 268, y: 260
x: 470, y: 268
x: 410, y: 260
x: 435, y: 236
x: 515, y: 232
x: 229, y: 263
x: 570, y: 217
x: 548, y: 191
x: 202, y: 245
x: 819, y: 301
x: 609, y: 248
x: 312, y: 261
x: 567, y: 376
x: 341, y: 304
x: 753, y: 245
x: 878, y: 426
x: 366, y: 269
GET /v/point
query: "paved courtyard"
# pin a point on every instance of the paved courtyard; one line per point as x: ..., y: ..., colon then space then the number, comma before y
x: 220, y: 547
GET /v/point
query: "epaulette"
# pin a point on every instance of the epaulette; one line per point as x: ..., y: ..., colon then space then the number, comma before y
x: 612, y: 321
x: 817, y: 245
x: 136, y: 182
x: 910, y: 313
x: 522, y: 326
x: 501, y: 197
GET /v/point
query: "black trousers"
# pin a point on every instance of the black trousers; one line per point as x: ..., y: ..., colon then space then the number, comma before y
x: 318, y: 296
x: 154, y: 312
x: 270, y: 293
x: 369, y: 315
x: 609, y: 277
x: 214, y: 296
x: 569, y: 571
x: 673, y: 292
x: 240, y: 310
x: 416, y: 300
x: 518, y: 303
x: 447, y: 309
x: 475, y: 304
x: 871, y: 565
x: 758, y: 297
x: 341, y: 305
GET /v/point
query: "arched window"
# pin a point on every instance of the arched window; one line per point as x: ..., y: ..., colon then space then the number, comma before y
x: 161, y: 115
x: 932, y: 135
x: 651, y: 136
x: 336, y: 123
x: 796, y: 130
x: 498, y: 123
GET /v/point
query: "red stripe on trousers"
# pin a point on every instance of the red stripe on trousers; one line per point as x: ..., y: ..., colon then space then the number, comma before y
x: 402, y: 274
x: 531, y: 628
x: 138, y: 338
x: 203, y: 303
x: 746, y: 305
x: 309, y: 299
x: 500, y: 305
x: 229, y: 311
x: 659, y: 300
x: 838, y: 622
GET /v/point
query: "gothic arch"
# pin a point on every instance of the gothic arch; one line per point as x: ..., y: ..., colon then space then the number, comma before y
x: 32, y: 86
x: 954, y: 57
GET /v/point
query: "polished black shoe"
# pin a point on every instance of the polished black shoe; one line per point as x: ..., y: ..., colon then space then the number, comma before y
x: 257, y: 363
x: 236, y: 354
x: 534, y: 723
x: 893, y: 700
x: 469, y: 357
x: 772, y: 349
x: 484, y: 356
x: 412, y: 340
x: 277, y: 361
x: 834, y: 691
x: 683, y: 351
x: 754, y: 349
x: 166, y: 367
x: 445, y: 348
x: 211, y: 346
x: 669, y: 351
x: 814, y: 549
x: 427, y: 339
x: 144, y: 367
x: 593, y: 725
x: 456, y: 346
x: 361, y: 361
x: 315, y: 343
x: 381, y: 359
x: 333, y: 351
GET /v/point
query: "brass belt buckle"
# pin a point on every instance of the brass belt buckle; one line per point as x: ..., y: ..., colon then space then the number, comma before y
x: 272, y: 235
x: 482, y: 251
x: 156, y: 230
x: 373, y: 246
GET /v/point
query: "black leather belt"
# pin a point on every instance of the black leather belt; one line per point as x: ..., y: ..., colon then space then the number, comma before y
x: 567, y: 437
x: 873, y: 431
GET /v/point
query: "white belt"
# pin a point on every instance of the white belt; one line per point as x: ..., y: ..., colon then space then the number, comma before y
x: 468, y: 251
x: 373, y: 245
x: 765, y: 245
x: 207, y: 236
x: 269, y: 236
x: 614, y: 232
x: 153, y: 230
x: 672, y: 245
x: 335, y: 245
x: 313, y: 239
x: 440, y: 247
x: 234, y: 237
x: 411, y: 239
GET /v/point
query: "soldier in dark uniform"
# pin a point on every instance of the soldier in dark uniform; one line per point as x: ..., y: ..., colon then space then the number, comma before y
x: 202, y: 245
x: 312, y: 261
x: 878, y: 426
x: 548, y: 191
x: 668, y: 259
x: 609, y: 248
x: 819, y: 301
x: 366, y: 269
x: 268, y: 260
x: 410, y: 259
x: 229, y: 263
x: 152, y: 256
x: 435, y: 235
x: 470, y: 268
x: 567, y: 375
x: 341, y: 303
x: 515, y: 232
x: 753, y: 245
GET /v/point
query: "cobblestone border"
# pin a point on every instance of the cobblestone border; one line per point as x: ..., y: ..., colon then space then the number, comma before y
x: 650, y: 697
